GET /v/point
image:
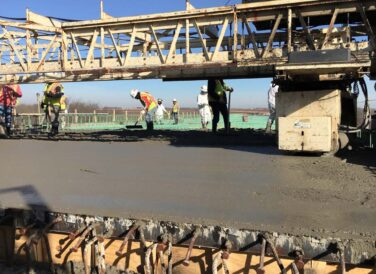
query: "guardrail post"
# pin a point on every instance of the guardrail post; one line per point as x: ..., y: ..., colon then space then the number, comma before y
x: 95, y: 116
x: 75, y: 116
x: 113, y: 115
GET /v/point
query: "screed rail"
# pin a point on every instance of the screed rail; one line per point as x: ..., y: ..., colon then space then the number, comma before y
x: 241, y: 41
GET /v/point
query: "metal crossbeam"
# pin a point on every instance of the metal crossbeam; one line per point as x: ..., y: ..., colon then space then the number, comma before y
x: 192, y: 44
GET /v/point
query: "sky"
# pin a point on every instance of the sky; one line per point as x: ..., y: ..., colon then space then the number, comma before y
x: 248, y: 92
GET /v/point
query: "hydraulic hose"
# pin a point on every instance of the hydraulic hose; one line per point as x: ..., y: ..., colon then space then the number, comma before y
x: 366, y: 109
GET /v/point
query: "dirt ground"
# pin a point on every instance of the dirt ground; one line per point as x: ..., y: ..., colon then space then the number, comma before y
x: 240, y: 180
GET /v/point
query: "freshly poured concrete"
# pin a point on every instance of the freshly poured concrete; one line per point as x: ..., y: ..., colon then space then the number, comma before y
x: 239, y: 186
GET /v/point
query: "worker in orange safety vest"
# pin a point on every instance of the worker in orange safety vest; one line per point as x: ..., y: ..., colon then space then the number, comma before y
x: 149, y: 103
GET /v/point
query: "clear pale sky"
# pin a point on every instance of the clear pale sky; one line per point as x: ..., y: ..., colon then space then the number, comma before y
x: 248, y: 92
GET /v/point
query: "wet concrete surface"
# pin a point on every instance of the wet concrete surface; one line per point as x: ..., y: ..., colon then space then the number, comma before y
x: 241, y: 186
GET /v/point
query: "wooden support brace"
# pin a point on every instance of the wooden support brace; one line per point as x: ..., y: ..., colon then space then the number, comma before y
x: 77, y: 49
x: 220, y: 38
x: 130, y: 46
x: 44, y: 55
x: 13, y: 46
x: 253, y: 39
x: 90, y: 54
x: 272, y: 35
x: 174, y: 40
x: 202, y: 41
x: 157, y: 44
x: 116, y: 48
x: 330, y: 29
x: 372, y: 37
x: 310, y: 41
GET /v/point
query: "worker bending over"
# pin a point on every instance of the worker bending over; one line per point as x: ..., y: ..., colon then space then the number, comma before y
x: 149, y: 103
x: 52, y: 103
x: 8, y: 100
x: 273, y: 89
x: 218, y: 101
x: 203, y: 107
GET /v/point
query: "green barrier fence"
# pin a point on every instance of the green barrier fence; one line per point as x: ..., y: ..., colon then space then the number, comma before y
x: 105, y: 121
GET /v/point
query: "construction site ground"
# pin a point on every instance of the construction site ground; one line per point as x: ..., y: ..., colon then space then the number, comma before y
x: 240, y: 181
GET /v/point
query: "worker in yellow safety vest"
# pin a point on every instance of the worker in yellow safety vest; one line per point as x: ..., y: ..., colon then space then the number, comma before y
x: 52, y: 104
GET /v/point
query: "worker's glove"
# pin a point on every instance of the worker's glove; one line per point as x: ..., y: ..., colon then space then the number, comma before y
x: 230, y: 89
x: 42, y: 105
x: 143, y: 112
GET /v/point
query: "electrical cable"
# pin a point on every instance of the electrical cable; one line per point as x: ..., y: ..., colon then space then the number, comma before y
x: 51, y: 17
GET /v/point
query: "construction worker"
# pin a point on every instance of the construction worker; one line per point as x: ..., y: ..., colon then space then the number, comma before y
x: 8, y: 100
x: 273, y: 89
x: 175, y: 111
x: 149, y: 103
x: 159, y: 112
x: 218, y: 101
x: 203, y: 107
x: 63, y: 110
x: 52, y: 103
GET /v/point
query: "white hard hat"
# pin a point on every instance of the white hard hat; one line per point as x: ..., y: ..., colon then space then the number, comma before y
x: 134, y: 93
x: 204, y: 89
x: 174, y: 100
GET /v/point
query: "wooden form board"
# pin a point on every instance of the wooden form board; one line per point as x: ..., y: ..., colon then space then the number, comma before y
x: 201, y: 259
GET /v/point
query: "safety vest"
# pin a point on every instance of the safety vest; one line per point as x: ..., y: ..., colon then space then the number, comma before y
x: 51, y: 89
x: 63, y: 102
x: 148, y: 100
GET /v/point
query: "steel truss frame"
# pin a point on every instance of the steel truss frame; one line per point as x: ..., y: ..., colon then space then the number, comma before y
x: 241, y: 41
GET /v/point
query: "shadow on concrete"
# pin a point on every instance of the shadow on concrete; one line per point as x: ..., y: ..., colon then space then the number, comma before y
x: 363, y: 157
x: 32, y: 198
x: 239, y: 139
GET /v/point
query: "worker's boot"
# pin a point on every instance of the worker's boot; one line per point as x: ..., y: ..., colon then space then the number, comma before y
x: 3, y: 133
x: 149, y: 126
x: 268, y: 129
x: 54, y: 128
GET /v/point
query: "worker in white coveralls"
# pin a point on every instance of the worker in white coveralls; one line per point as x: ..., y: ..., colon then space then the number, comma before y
x: 203, y: 107
x: 273, y: 89
x: 160, y: 111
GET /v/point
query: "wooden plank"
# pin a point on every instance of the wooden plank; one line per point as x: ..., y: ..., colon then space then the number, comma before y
x: 289, y: 30
x: 271, y: 38
x: 187, y: 39
x: 235, y: 35
x: 102, y: 48
x: 77, y: 49
x: 206, y: 54
x: 157, y: 44
x: 220, y: 38
x: 28, y: 49
x: 172, y: 50
x: 330, y: 29
x: 41, y: 20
